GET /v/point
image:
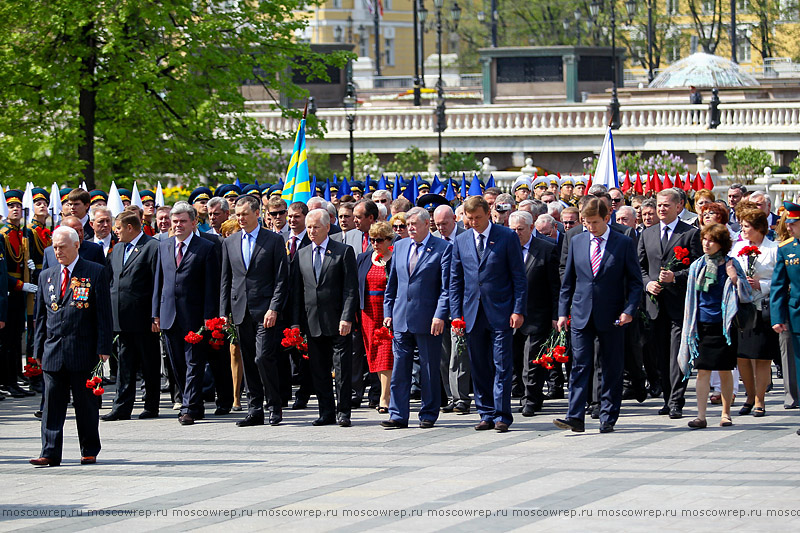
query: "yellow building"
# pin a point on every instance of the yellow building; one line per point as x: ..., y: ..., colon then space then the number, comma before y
x: 352, y: 21
x: 675, y: 23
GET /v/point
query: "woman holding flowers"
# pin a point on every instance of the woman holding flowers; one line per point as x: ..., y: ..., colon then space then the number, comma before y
x: 373, y: 268
x: 758, y: 346
x: 716, y: 285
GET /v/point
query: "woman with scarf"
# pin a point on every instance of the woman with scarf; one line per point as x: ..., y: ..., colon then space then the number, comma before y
x: 715, y: 286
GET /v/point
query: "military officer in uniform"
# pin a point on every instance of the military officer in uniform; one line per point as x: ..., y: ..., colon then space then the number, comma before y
x: 521, y: 188
x: 199, y: 197
x: 785, y: 290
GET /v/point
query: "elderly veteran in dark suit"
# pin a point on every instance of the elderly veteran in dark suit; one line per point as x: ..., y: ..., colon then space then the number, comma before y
x: 73, y: 326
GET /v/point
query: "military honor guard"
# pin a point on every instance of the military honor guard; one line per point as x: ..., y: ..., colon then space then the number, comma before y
x: 148, y: 198
x: 199, y: 197
x: 521, y: 188
x: 73, y: 333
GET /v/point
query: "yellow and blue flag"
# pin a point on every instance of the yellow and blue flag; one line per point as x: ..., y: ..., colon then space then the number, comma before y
x: 297, y: 187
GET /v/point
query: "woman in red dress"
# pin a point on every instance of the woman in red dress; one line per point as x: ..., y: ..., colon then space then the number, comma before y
x: 373, y: 266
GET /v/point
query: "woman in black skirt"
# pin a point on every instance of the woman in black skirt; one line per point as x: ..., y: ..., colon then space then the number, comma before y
x: 715, y: 286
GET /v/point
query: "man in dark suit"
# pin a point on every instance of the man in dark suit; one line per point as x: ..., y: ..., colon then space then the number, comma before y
x: 416, y: 308
x: 656, y: 250
x: 325, y: 300
x: 133, y: 265
x: 73, y: 326
x: 186, y: 292
x: 254, y: 288
x: 599, y: 262
x: 88, y: 250
x: 541, y: 271
x: 455, y: 361
x: 488, y: 288
x: 79, y: 202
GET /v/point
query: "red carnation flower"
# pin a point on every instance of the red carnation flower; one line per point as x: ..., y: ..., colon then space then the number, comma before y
x: 686, y: 261
x: 193, y: 338
x: 295, y: 331
x: 217, y: 334
x: 99, y: 391
x: 89, y: 383
x: 97, y: 379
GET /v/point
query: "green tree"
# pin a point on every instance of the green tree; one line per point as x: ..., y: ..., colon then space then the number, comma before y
x: 747, y: 163
x: 409, y: 161
x: 795, y: 166
x: 454, y: 163
x: 134, y: 88
x: 363, y: 163
x: 319, y: 165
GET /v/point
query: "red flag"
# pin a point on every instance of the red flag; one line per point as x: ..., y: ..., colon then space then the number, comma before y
x: 687, y: 186
x: 709, y: 184
x: 656, y: 182
x: 637, y: 186
x: 678, y: 182
x: 589, y: 185
x: 698, y: 183
x: 667, y: 182
x: 649, y: 185
x: 626, y: 185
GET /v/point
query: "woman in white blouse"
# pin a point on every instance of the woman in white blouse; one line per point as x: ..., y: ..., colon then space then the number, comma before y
x: 758, y: 346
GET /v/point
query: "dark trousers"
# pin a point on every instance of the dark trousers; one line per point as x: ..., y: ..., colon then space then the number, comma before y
x: 533, y: 376
x: 219, y: 363
x: 259, y: 355
x: 189, y: 365
x: 650, y: 354
x: 326, y: 353
x: 490, y: 356
x: 611, y: 357
x: 284, y: 362
x: 11, y: 344
x: 430, y: 356
x: 138, y: 350
x: 361, y: 374
x: 87, y: 408
x: 634, y: 360
x: 302, y: 370
x: 668, y: 342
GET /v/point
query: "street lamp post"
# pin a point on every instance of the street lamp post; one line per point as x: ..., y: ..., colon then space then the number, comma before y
x: 630, y: 7
x: 417, y: 91
x: 492, y: 24
x: 577, y: 16
x: 441, y: 118
x: 377, y: 22
x: 423, y: 16
x: 650, y: 73
x: 349, y: 102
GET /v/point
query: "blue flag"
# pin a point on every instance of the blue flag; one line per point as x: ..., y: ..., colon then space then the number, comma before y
x: 463, y: 187
x: 398, y: 184
x: 412, y: 191
x: 436, y: 185
x: 382, y: 183
x: 450, y: 193
x: 297, y: 187
x: 238, y: 183
x: 490, y: 183
x: 327, y: 193
x: 344, y: 188
x: 475, y: 187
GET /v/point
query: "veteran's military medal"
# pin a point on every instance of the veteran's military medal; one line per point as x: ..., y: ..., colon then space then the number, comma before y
x: 54, y: 306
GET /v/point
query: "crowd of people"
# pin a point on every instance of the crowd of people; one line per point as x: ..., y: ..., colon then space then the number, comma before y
x: 495, y: 302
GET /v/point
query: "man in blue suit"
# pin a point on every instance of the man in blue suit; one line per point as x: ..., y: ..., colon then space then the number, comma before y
x: 488, y: 288
x: 599, y: 263
x: 73, y: 326
x: 416, y: 308
x: 186, y: 293
x: 88, y: 250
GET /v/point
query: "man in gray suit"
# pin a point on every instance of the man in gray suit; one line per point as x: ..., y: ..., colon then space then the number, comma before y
x: 349, y: 235
x: 454, y: 367
x: 254, y: 287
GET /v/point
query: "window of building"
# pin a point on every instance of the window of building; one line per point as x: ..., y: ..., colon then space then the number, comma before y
x: 529, y: 69
x: 743, y: 48
x: 387, y: 5
x: 388, y: 52
x: 363, y: 43
x: 673, y: 7
x: 674, y: 52
x: 337, y: 4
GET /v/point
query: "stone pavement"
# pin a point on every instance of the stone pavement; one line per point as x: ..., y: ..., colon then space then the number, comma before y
x: 653, y: 473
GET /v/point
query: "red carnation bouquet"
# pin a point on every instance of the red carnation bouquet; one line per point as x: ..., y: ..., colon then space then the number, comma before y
x: 217, y: 329
x: 293, y: 338
x: 459, y: 327
x: 679, y: 260
x: 382, y: 336
x: 32, y: 369
x: 554, y: 350
x: 95, y: 381
x: 752, y: 253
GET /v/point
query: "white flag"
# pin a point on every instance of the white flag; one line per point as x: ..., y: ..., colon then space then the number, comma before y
x: 55, y: 204
x: 159, y: 196
x: 135, y: 198
x: 3, y: 204
x: 115, y: 204
x: 606, y: 173
x: 27, y: 201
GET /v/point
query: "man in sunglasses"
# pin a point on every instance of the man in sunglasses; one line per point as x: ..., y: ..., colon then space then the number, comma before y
x: 277, y: 211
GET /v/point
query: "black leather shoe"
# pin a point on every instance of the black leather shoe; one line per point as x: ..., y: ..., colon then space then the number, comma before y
x: 186, y: 420
x: 323, y: 422
x: 449, y: 407
x: 416, y: 395
x: 501, y: 427
x: 37, y: 414
x: 15, y: 391
x: 299, y: 404
x: 606, y: 428
x: 641, y: 395
x: 570, y: 423
x: 596, y: 411
x: 148, y: 414
x: 394, y: 424
x: 528, y: 411
x: 484, y: 425
x: 113, y: 416
x: 275, y: 417
x: 656, y: 391
x: 664, y: 410
x: 798, y: 431
x: 344, y: 421
x: 461, y: 408
x: 251, y: 420
x: 426, y: 424
x: 220, y: 411
x: 556, y: 394
x: 676, y: 413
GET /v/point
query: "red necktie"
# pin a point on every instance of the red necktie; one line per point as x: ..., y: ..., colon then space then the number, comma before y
x: 293, y: 246
x: 364, y: 242
x: 180, y: 254
x: 64, y: 281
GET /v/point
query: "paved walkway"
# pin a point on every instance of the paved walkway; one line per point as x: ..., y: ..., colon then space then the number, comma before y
x: 653, y: 473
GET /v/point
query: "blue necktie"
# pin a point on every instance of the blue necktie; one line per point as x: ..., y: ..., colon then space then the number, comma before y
x: 246, y: 250
x: 317, y: 261
x: 127, y: 255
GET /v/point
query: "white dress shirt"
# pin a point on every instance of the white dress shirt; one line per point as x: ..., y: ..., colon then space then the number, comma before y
x: 603, y: 243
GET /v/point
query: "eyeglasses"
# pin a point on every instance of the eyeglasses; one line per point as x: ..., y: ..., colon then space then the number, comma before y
x: 277, y: 213
x: 382, y: 201
x: 569, y: 222
x: 399, y: 226
x: 616, y: 200
x: 378, y: 240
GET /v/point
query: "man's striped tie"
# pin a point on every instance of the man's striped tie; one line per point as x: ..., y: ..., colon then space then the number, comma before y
x: 596, y: 257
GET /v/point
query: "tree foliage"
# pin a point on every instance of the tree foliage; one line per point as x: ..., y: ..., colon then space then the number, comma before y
x: 128, y: 89
x: 747, y: 163
x: 363, y: 163
x: 409, y: 161
x: 454, y: 163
